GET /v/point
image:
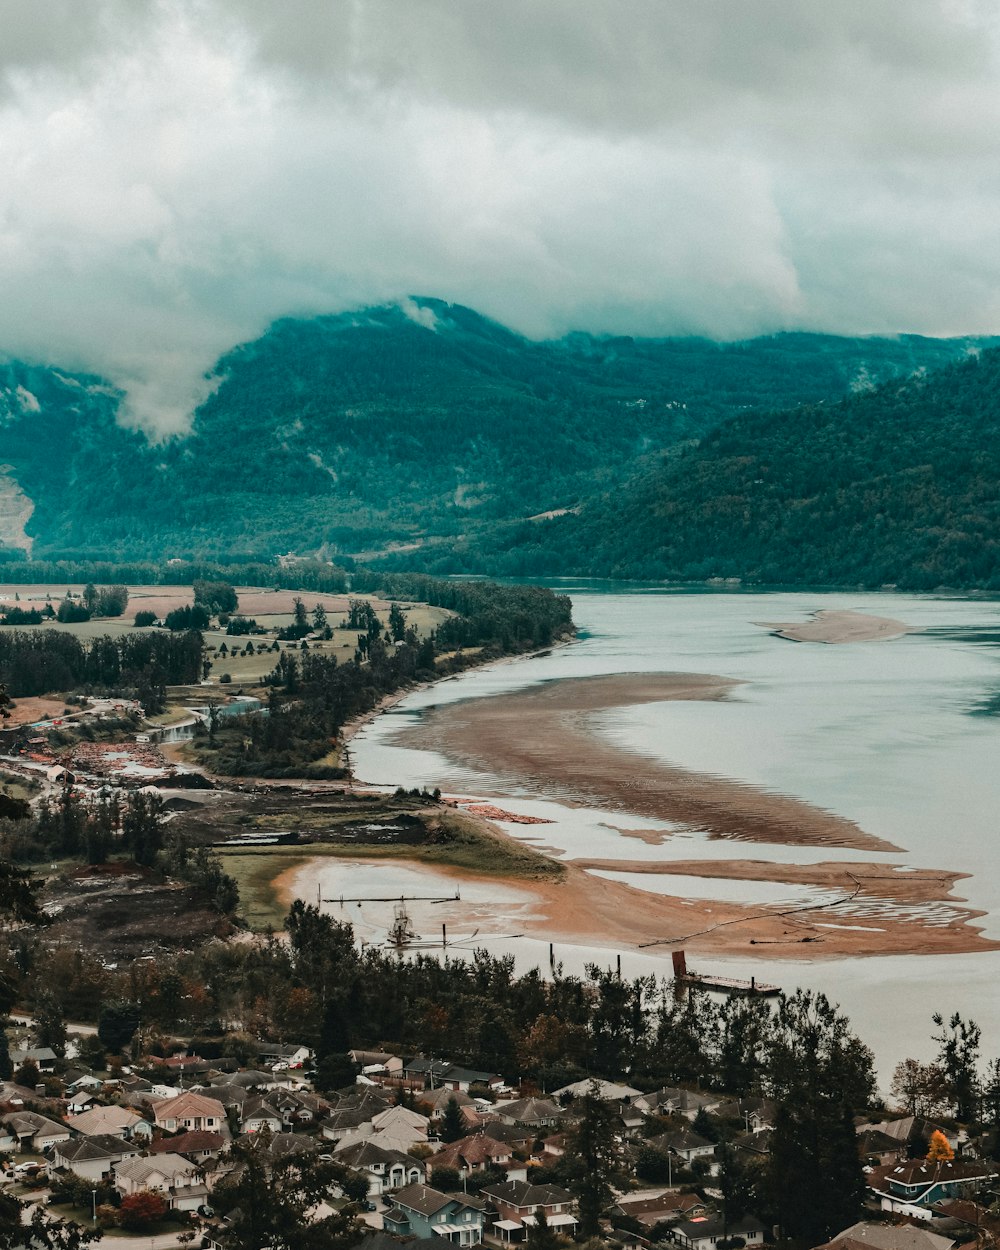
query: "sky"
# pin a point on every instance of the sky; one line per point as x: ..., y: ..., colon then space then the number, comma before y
x: 177, y: 174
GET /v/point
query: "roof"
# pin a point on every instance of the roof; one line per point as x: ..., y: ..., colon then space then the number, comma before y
x: 924, y: 1173
x: 605, y: 1089
x: 40, y: 1054
x: 102, y: 1146
x: 189, y: 1104
x: 525, y: 1110
x: 363, y: 1154
x: 478, y: 1148
x: 684, y: 1139
x: 888, y: 1237
x: 423, y: 1199
x: 166, y: 1165
x: 524, y: 1194
x: 715, y: 1226
x: 103, y: 1120
x: 188, y: 1143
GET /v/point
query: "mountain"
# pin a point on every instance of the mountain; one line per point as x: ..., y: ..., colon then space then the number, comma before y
x: 415, y: 426
x: 894, y: 487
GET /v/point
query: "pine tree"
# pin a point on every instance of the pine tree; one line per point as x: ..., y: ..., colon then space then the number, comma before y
x: 452, y: 1123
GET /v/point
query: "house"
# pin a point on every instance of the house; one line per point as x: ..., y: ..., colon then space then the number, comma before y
x: 437, y: 1100
x: 198, y: 1145
x: 386, y: 1169
x: 399, y: 1128
x: 259, y: 1115
x: 704, y: 1232
x: 912, y: 1187
x: 473, y: 1154
x: 752, y: 1113
x: 292, y: 1054
x: 113, y: 1120
x: 665, y: 1208
x: 376, y: 1063
x: 462, y: 1079
x: 685, y: 1144
x: 91, y: 1158
x: 43, y: 1057
x: 530, y: 1112
x: 912, y: 1132
x: 421, y: 1211
x: 606, y: 1090
x: 683, y: 1102
x: 887, y: 1237
x: 189, y: 1111
x: 27, y: 1130
x: 517, y: 1203
x: 178, y: 1180
x: 426, y: 1072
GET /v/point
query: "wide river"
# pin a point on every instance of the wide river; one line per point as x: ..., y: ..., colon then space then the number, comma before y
x: 902, y: 736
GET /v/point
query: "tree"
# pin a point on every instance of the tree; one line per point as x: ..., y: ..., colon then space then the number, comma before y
x: 938, y: 1150
x: 319, y: 621
x: 50, y: 1022
x: 41, y: 1232
x: 540, y: 1235
x: 5, y: 702
x: 28, y: 1074
x: 6, y: 1067
x: 397, y: 623
x: 919, y: 1088
x: 959, y: 1057
x: 592, y: 1161
x: 269, y: 1201
x: 447, y: 1180
x: 141, y: 1209
x: 142, y: 826
x: 117, y: 1024
x: 452, y: 1122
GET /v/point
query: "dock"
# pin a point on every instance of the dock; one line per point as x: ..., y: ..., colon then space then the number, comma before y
x: 721, y: 985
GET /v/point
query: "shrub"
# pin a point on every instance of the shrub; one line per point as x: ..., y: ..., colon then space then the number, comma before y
x: 145, y: 617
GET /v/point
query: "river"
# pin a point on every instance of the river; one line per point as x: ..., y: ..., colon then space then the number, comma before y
x: 901, y: 736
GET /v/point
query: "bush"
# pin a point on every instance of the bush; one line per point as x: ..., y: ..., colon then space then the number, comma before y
x: 141, y: 1209
x: 193, y: 616
x: 145, y: 617
x: 225, y: 680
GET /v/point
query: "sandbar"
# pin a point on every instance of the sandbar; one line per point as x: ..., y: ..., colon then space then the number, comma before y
x: 586, y: 910
x: 543, y: 739
x: 839, y: 626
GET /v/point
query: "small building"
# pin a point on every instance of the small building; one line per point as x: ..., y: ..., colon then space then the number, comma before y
x: 189, y: 1111
x: 420, y: 1211
x: 705, y: 1232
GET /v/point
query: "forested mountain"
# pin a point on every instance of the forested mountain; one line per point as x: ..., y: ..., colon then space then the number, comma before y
x: 420, y: 424
x: 900, y: 486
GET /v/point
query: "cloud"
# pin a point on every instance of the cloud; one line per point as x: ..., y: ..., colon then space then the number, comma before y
x: 179, y: 173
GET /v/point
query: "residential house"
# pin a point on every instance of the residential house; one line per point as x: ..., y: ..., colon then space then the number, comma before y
x: 887, y: 1237
x: 386, y: 1169
x: 669, y: 1207
x: 913, y: 1133
x: 377, y: 1063
x: 177, y: 1180
x: 399, y: 1128
x: 421, y: 1211
x: 531, y: 1113
x: 259, y: 1115
x: 672, y: 1101
x: 91, y: 1158
x: 437, y: 1100
x: 518, y: 1202
x: 27, y: 1130
x: 43, y: 1057
x: 913, y: 1187
x: 190, y: 1111
x: 292, y: 1054
x: 475, y: 1154
x: 753, y: 1113
x: 705, y: 1232
x: 462, y: 1079
x: 199, y: 1145
x: 606, y: 1090
x: 114, y: 1120
x: 685, y: 1145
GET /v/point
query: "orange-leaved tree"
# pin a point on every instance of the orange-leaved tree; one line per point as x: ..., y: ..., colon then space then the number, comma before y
x: 938, y: 1150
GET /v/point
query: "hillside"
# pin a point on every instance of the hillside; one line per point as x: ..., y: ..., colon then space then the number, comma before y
x: 398, y: 426
x: 894, y: 487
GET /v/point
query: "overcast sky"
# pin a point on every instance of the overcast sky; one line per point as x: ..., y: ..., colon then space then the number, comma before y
x: 175, y: 174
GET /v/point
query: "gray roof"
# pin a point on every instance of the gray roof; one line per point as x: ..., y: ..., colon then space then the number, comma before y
x: 100, y: 1146
x: 524, y: 1194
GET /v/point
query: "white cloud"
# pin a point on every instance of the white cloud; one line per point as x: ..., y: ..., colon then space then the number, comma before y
x: 178, y: 174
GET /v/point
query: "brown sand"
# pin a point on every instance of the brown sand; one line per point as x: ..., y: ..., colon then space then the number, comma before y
x: 835, y: 627
x: 542, y: 737
x: 581, y: 909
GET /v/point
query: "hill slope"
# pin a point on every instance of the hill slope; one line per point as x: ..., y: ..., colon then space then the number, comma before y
x: 400, y: 425
x: 899, y: 487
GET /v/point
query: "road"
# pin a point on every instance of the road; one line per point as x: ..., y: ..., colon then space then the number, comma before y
x: 87, y: 1030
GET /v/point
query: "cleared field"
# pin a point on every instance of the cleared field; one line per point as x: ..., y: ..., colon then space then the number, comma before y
x: 272, y: 610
